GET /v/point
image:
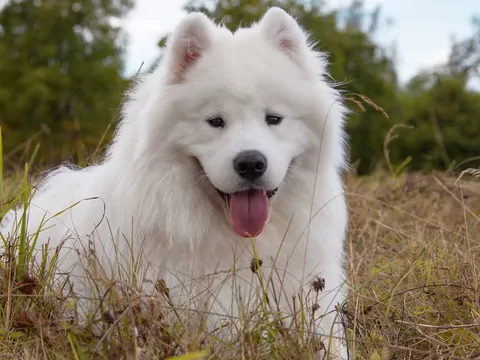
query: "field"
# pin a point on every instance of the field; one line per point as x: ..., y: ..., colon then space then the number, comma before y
x: 413, y: 252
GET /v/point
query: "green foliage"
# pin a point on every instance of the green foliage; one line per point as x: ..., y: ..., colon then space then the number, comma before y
x: 445, y: 117
x: 60, y: 68
x: 465, y: 56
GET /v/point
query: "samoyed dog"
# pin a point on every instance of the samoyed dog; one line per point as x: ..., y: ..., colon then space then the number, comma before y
x: 231, y: 149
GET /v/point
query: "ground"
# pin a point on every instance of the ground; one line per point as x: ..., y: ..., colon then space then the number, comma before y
x: 413, y: 251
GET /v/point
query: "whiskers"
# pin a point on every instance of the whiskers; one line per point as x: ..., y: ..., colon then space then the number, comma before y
x: 294, y: 172
x: 201, y: 177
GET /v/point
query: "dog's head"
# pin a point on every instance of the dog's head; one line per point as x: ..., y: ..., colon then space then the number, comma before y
x: 246, y: 106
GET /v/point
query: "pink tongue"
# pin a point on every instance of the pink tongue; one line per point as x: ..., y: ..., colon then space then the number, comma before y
x: 249, y: 212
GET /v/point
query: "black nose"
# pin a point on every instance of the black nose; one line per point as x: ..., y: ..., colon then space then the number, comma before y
x: 250, y: 164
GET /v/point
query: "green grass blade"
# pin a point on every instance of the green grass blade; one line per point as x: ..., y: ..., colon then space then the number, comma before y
x: 1, y: 170
x: 23, y: 229
x: 190, y: 356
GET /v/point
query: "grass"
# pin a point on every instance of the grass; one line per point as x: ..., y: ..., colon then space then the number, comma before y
x: 413, y: 253
x: 414, y: 250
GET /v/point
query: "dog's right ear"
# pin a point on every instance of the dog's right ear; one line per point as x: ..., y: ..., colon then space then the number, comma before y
x: 190, y: 40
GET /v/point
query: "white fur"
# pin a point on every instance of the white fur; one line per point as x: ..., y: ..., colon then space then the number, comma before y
x: 151, y: 177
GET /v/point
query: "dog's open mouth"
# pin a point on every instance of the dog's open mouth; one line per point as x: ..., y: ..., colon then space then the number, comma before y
x: 248, y: 210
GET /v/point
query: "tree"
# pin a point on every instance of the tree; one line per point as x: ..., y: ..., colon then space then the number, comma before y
x: 60, y: 71
x: 442, y: 108
x: 464, y: 59
x: 444, y: 115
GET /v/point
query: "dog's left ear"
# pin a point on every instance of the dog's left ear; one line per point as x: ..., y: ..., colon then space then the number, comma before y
x: 285, y: 33
x: 189, y: 41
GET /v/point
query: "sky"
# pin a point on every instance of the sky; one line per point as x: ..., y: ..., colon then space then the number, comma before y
x: 422, y: 30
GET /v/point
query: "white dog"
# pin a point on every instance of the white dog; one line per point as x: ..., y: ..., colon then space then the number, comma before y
x: 234, y: 143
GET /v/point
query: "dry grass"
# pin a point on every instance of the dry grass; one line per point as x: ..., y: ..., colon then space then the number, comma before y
x: 413, y: 248
x: 413, y: 260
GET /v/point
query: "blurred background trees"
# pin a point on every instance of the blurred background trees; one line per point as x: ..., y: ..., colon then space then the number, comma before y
x: 61, y: 82
x: 60, y: 74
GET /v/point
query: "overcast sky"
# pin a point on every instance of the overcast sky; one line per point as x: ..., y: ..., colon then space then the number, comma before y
x: 421, y: 29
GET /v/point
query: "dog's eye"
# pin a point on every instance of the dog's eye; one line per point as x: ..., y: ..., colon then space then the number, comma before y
x: 273, y: 119
x: 216, y: 122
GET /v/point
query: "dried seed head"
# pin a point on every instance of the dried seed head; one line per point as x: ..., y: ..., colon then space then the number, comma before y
x: 317, y: 345
x: 29, y: 319
x: 23, y: 321
x: 161, y: 287
x: 28, y: 285
x: 318, y: 284
x: 108, y: 317
x: 255, y: 265
x: 315, y: 307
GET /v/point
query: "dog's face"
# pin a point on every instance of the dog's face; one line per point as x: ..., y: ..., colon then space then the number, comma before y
x: 241, y: 103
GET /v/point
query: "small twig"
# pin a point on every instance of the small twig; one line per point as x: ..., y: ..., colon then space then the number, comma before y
x: 117, y: 320
x: 464, y: 326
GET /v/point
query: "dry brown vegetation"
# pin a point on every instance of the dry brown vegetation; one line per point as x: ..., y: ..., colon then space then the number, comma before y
x: 413, y: 249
